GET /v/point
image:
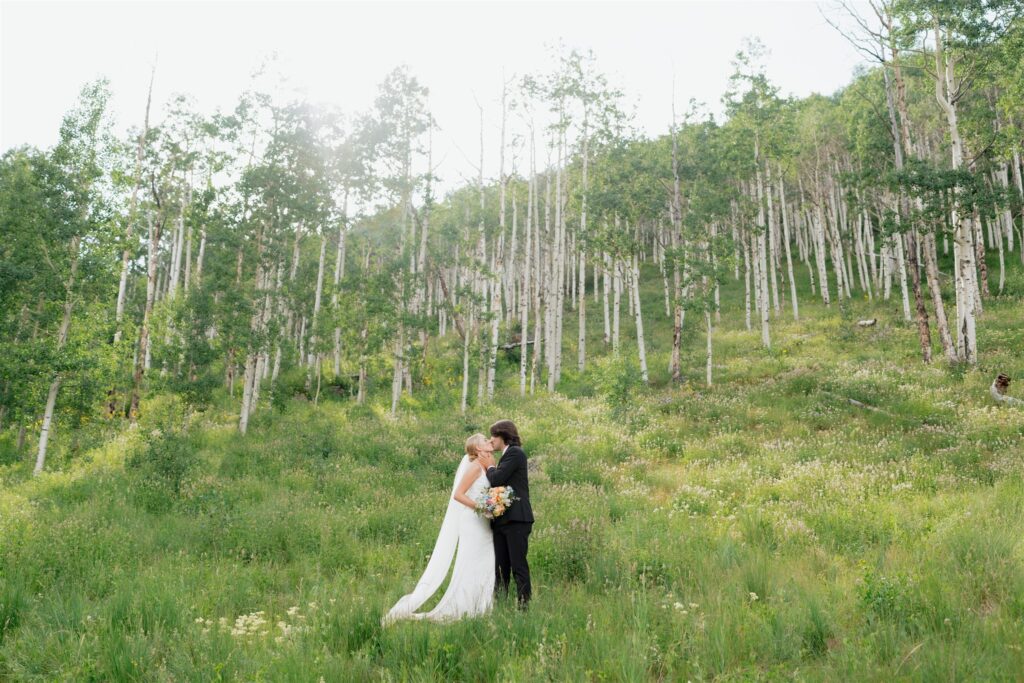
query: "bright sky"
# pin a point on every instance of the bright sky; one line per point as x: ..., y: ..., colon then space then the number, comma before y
x: 339, y: 51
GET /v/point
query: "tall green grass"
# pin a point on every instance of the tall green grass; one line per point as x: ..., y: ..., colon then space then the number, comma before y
x: 761, y: 529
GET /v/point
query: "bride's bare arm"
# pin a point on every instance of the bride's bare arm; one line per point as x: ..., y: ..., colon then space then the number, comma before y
x: 467, y: 480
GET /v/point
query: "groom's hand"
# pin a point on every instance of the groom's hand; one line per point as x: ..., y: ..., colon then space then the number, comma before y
x: 486, y: 460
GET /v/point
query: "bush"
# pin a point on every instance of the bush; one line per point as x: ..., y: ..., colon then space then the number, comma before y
x: 617, y: 380
x: 889, y: 598
x: 159, y: 469
x: 197, y: 393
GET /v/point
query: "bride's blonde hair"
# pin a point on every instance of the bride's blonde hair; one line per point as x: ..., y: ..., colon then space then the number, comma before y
x: 473, y: 446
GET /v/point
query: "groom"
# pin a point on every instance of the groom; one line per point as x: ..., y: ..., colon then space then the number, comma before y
x: 512, y: 529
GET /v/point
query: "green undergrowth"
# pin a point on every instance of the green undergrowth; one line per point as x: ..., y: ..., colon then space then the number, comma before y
x: 763, y: 528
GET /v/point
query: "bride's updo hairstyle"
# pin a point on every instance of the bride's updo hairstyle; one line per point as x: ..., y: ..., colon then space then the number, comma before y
x: 473, y: 444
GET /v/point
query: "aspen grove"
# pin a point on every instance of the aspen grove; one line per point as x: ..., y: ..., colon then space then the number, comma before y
x: 279, y: 235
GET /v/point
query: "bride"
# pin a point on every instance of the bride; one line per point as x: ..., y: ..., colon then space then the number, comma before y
x: 471, y: 588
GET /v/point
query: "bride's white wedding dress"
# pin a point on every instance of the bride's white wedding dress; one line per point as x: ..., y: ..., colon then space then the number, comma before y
x: 467, y: 536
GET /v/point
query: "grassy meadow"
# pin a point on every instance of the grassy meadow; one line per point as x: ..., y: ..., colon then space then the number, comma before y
x: 761, y: 529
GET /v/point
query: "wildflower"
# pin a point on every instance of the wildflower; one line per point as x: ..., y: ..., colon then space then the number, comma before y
x: 753, y: 596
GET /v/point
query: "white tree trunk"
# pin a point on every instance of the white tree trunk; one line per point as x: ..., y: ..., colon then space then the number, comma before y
x: 746, y: 280
x: 201, y: 256
x: 762, y: 250
x: 524, y: 294
x: 582, y: 335
x: 253, y: 369
x: 902, y: 265
x: 339, y: 274
x: 122, y: 287
x: 62, y: 337
x: 313, y: 351
x: 928, y: 250
x: 606, y: 287
x: 964, y: 254
x: 641, y: 347
x: 786, y: 241
x: 768, y: 225
x: 616, y: 304
x: 819, y: 253
x: 708, y: 356
x: 465, y: 368
x: 44, y: 433
x: 1018, y: 180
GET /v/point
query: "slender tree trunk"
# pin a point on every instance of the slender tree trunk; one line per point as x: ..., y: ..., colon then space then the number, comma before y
x: 1018, y: 180
x: 582, y: 333
x: 907, y: 247
x: 616, y: 304
x: 339, y: 274
x: 524, y: 294
x: 122, y: 287
x: 641, y: 347
x: 923, y: 331
x: 142, y: 363
x: 495, y: 311
x: 555, y: 343
x: 675, y: 366
x: 361, y: 394
x: 761, y: 265
x: 397, y: 377
x: 932, y: 275
x: 999, y: 228
x: 606, y: 281
x: 465, y: 368
x: 747, y: 264
x: 708, y: 356
x: 819, y: 253
x: 979, y: 252
x: 862, y: 266
x: 768, y: 226
x: 253, y: 371
x: 62, y: 338
x: 786, y: 242
x: 966, y: 284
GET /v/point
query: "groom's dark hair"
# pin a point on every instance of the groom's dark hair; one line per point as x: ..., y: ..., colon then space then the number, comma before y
x: 506, y: 429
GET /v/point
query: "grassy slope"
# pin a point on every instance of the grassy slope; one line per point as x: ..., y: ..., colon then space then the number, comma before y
x: 759, y: 529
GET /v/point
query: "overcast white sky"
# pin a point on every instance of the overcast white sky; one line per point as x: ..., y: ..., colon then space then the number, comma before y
x: 339, y: 51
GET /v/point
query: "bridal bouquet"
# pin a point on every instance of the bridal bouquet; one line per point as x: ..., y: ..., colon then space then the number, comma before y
x: 494, y: 501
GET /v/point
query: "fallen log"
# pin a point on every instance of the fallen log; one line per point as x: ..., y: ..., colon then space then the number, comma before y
x: 861, y: 404
x: 514, y: 345
x: 867, y: 323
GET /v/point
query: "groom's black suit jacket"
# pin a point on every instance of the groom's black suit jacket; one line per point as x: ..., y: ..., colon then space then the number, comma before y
x: 511, y: 471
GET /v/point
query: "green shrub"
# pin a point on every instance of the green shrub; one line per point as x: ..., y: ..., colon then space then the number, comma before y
x: 158, y: 470
x: 617, y: 379
x: 889, y: 598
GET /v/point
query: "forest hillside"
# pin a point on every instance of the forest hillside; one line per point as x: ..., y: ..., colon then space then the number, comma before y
x: 766, y: 366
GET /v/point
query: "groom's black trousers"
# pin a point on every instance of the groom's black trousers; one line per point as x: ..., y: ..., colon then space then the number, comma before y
x: 510, y: 545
